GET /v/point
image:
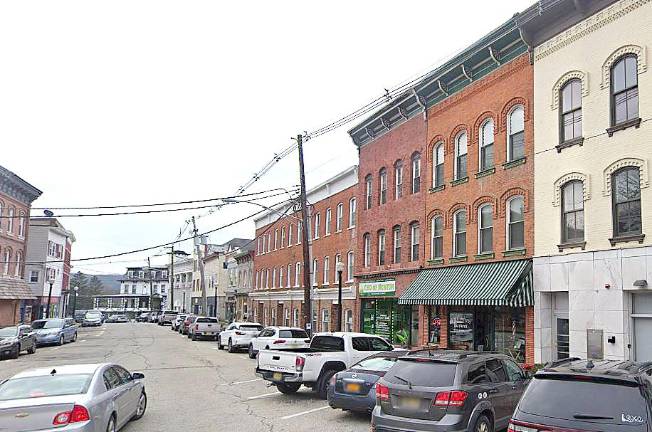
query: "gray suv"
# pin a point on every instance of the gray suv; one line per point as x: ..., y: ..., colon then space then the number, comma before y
x: 447, y: 391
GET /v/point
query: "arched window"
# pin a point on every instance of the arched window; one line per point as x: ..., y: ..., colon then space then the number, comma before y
x: 438, y: 165
x: 459, y: 233
x: 21, y: 225
x: 257, y: 279
x: 299, y: 232
x: 315, y: 269
x: 7, y: 260
x: 317, y: 225
x: 381, y: 247
x: 396, y: 244
x: 487, y: 145
x: 282, y: 237
x: 368, y: 191
x: 297, y: 274
x: 516, y: 134
x: 266, y: 278
x: 349, y: 266
x: 398, y: 179
x: 274, y: 278
x: 288, y: 283
x: 19, y: 264
x: 269, y: 242
x: 572, y: 212
x: 339, y: 217
x: 626, y: 197
x: 10, y: 220
x: 276, y: 239
x: 290, y: 228
x: 348, y: 320
x: 437, y: 237
x: 515, y: 223
x: 416, y: 172
x: 624, y: 90
x: 570, y: 110
x: 485, y: 229
x: 328, y: 221
x: 352, y: 210
x: 295, y: 317
x: 460, y: 156
x: 382, y: 186
x: 366, y: 253
x: 415, y: 238
x: 326, y: 276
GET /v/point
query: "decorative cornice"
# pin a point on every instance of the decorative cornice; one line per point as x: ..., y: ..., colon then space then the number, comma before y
x: 589, y: 25
x: 641, y: 62
x: 582, y: 76
x: 561, y: 181
x: 622, y: 163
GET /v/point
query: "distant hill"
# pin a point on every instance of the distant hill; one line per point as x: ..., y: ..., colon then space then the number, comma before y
x: 110, y: 282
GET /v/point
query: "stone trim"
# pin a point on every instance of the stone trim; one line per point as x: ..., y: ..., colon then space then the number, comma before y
x: 479, y: 203
x: 622, y: 163
x: 485, y: 173
x: 626, y: 239
x: 641, y: 62
x: 507, y: 110
x: 511, y: 193
x: 589, y: 25
x: 561, y: 181
x: 571, y: 245
x: 435, y: 261
x: 514, y: 252
x: 515, y: 163
x: 575, y: 74
x: 454, y: 209
x: 458, y: 259
x: 437, y: 189
x: 484, y: 256
x: 452, y: 141
x: 570, y: 143
x: 479, y: 122
x: 636, y: 123
x: 460, y: 181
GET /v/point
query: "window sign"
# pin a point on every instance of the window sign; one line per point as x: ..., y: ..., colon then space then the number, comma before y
x: 386, y: 288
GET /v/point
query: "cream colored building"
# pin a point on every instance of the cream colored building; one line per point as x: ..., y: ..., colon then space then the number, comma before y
x: 593, y: 146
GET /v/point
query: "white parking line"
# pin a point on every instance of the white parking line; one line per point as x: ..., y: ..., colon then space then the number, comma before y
x: 304, y: 413
x: 263, y: 396
x: 56, y: 348
x: 83, y: 340
x: 243, y: 382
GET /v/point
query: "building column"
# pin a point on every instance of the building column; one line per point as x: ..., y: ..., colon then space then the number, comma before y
x: 529, y: 335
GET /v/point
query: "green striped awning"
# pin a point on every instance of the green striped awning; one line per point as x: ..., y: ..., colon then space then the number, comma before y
x: 506, y: 283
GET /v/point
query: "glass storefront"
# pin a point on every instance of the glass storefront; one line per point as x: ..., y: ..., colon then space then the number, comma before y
x: 385, y: 317
x: 434, y: 324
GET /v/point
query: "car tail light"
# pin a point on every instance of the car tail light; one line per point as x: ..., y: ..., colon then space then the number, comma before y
x: 453, y: 399
x: 76, y: 415
x: 517, y: 426
x: 239, y: 333
x: 279, y: 341
x: 382, y: 392
x: 299, y: 363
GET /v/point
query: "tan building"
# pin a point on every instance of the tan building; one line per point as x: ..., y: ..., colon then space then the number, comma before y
x: 593, y: 260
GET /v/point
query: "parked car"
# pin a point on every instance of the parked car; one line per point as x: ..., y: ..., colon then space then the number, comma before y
x: 14, y: 340
x: 238, y: 335
x: 80, y: 398
x: 117, y: 319
x: 166, y: 317
x: 177, y: 321
x: 355, y: 388
x: 93, y: 318
x: 54, y: 331
x: 576, y: 394
x: 279, y: 338
x: 314, y: 367
x: 183, y: 328
x: 79, y: 315
x: 449, y: 391
x: 203, y: 327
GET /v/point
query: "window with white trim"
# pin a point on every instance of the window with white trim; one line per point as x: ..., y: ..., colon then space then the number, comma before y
x: 381, y: 247
x: 570, y: 110
x: 515, y: 223
x: 349, y: 266
x: 282, y: 237
x: 487, y: 145
x: 327, y: 221
x: 366, y: 252
x: 352, y: 211
x: 289, y: 276
x: 382, y: 186
x: 416, y: 173
x: 368, y: 192
x: 396, y: 244
x: 516, y: 134
x: 339, y: 217
x: 459, y: 233
x: 317, y: 225
x: 461, y: 156
x: 438, y: 165
x: 398, y: 180
x: 326, y: 278
x: 315, y: 268
x: 415, y: 237
x: 297, y: 275
x: 436, y: 237
x: 485, y: 229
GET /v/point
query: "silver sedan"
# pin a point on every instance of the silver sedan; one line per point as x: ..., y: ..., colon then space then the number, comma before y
x: 81, y: 398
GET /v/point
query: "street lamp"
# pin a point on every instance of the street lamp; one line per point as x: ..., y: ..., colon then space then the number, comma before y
x: 47, y: 310
x: 339, y: 267
x: 74, y: 301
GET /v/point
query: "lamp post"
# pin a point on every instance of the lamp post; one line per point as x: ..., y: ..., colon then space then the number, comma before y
x: 47, y: 310
x: 74, y: 301
x: 339, y: 267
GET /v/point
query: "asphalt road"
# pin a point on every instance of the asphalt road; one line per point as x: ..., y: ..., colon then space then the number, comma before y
x: 191, y: 386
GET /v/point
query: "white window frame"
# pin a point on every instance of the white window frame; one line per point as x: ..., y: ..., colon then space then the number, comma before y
x: 466, y: 219
x: 19, y: 262
x: 480, y: 227
x: 398, y: 180
x: 350, y: 266
x: 280, y: 276
x: 327, y: 221
x: 416, y: 172
x: 484, y: 144
x: 297, y: 274
x: 326, y: 271
x: 382, y: 185
x: 325, y: 320
x: 509, y: 128
x: 289, y: 276
x: 382, y: 250
x: 315, y: 269
x: 276, y: 239
x: 396, y: 244
x: 508, y: 217
x: 289, y: 235
x: 317, y: 226
x: 436, y: 162
x: 282, y: 237
x: 458, y: 154
x: 413, y: 243
x: 10, y: 223
x: 352, y: 212
x: 366, y: 252
x: 339, y: 217
x: 368, y: 194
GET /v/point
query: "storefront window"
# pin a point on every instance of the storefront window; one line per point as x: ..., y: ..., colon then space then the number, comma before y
x: 434, y: 324
x: 460, y: 328
x: 388, y: 319
x: 510, y: 332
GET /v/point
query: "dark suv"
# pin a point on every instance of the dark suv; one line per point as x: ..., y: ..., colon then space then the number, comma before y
x: 576, y: 394
x: 448, y: 391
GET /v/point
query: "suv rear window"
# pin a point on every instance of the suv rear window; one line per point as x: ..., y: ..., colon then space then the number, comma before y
x: 327, y: 343
x: 423, y: 373
x: 207, y: 320
x: 251, y: 327
x: 573, y: 398
x: 296, y: 334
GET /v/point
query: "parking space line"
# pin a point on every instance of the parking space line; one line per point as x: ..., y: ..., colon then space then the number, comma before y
x: 56, y: 348
x: 242, y: 382
x: 304, y: 413
x: 83, y: 340
x: 263, y: 396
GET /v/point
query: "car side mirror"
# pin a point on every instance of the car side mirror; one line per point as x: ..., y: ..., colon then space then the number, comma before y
x: 137, y: 375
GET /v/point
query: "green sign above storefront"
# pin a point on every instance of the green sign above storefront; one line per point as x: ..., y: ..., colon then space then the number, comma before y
x: 385, y: 288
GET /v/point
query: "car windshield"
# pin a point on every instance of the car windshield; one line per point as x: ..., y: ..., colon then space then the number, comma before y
x: 8, y: 331
x: 422, y: 373
x: 251, y: 327
x: 377, y: 364
x: 605, y: 401
x: 44, y: 386
x: 293, y: 334
x: 93, y: 315
x: 48, y: 324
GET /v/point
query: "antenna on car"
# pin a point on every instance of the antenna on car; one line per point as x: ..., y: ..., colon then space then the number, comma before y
x: 54, y: 371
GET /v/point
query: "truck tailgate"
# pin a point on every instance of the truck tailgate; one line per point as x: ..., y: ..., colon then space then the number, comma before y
x: 277, y: 361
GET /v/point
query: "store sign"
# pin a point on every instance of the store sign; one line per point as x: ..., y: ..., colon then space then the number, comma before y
x: 386, y: 288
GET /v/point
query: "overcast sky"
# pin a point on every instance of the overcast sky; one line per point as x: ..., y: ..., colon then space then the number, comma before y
x: 124, y: 102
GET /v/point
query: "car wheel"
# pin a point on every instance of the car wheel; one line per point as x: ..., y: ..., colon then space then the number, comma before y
x: 61, y: 340
x: 483, y: 424
x: 288, y: 388
x: 111, y: 426
x: 32, y: 349
x: 193, y: 337
x: 74, y: 337
x: 219, y: 343
x: 15, y: 353
x: 252, y: 354
x: 142, y: 406
x: 231, y: 347
x: 322, y: 384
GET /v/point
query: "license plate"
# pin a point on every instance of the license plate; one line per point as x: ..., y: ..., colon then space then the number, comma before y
x: 410, y: 403
x: 277, y: 376
x: 352, y: 387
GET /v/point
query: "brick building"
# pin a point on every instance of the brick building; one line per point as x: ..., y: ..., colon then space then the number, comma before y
x: 464, y: 137
x: 16, y: 197
x: 277, y: 296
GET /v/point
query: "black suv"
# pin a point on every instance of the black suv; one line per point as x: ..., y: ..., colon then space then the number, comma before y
x: 576, y: 394
x: 448, y: 391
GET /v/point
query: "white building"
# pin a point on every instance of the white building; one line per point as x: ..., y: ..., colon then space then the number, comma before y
x: 138, y: 280
x: 48, y: 243
x: 183, y: 283
x: 593, y: 204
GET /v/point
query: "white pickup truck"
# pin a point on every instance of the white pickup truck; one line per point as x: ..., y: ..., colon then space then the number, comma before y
x: 313, y: 367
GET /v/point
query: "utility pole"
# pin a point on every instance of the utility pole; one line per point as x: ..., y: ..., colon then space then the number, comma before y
x: 171, y: 278
x: 305, y: 238
x: 204, y: 300
x: 151, y: 293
